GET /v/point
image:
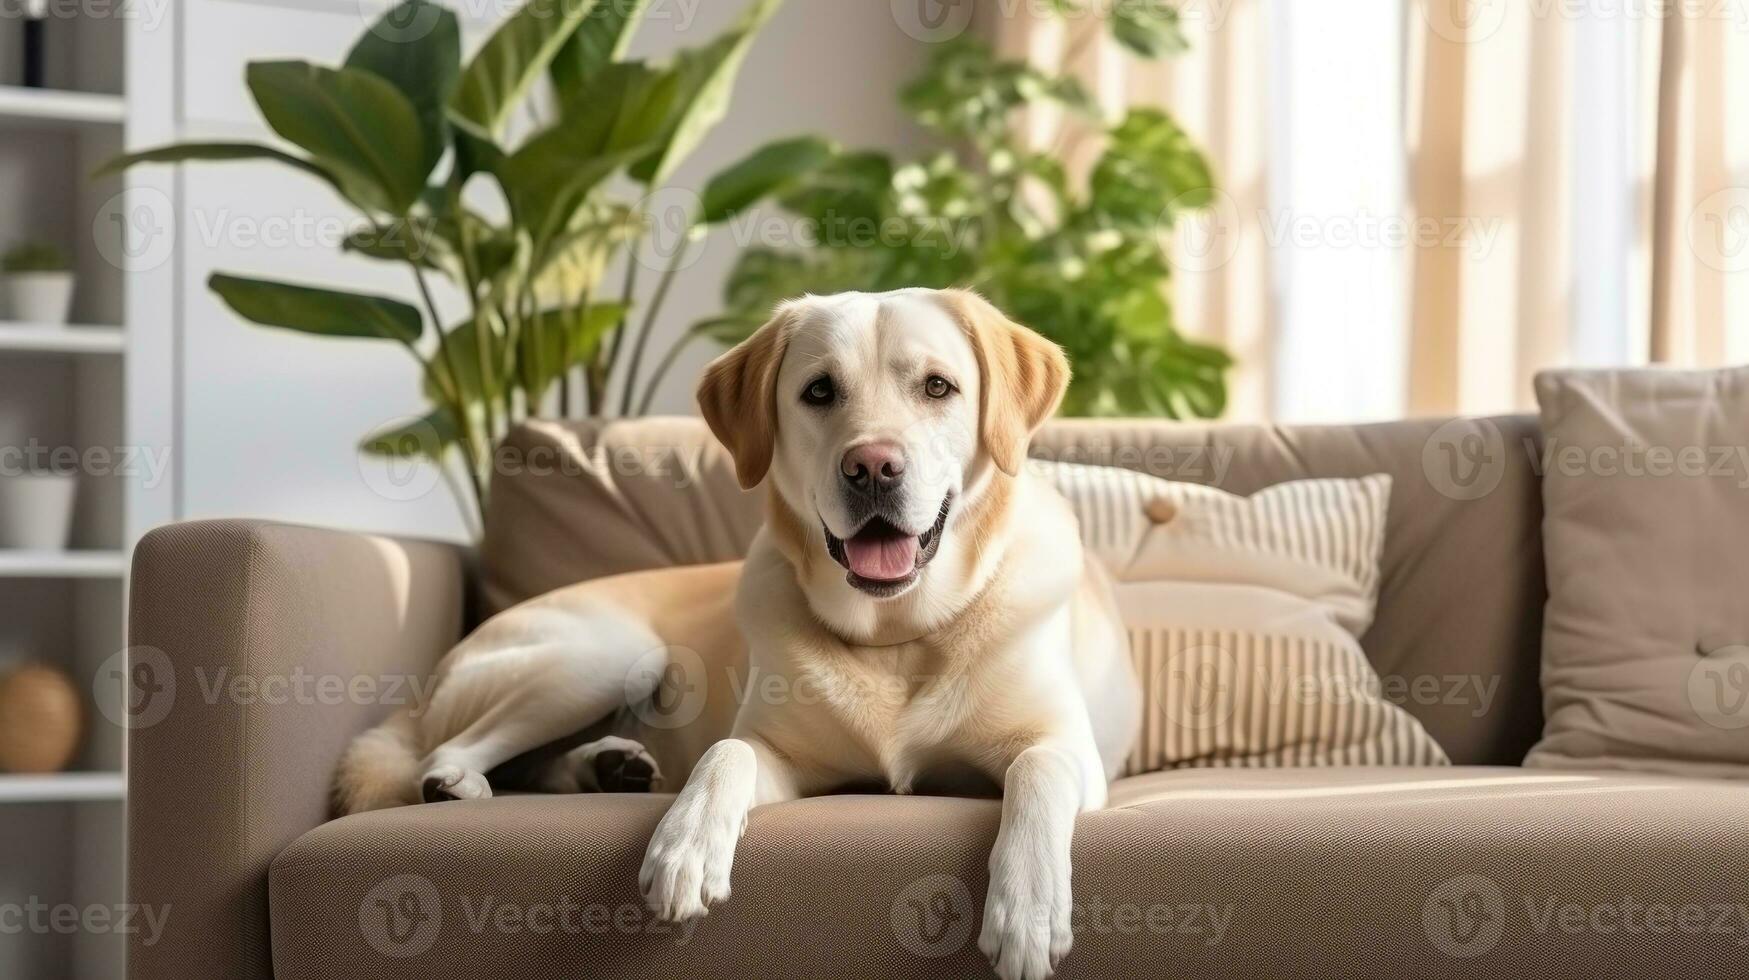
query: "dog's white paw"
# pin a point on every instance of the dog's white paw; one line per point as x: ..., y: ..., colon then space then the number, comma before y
x: 686, y: 869
x: 1027, y: 928
x: 453, y: 783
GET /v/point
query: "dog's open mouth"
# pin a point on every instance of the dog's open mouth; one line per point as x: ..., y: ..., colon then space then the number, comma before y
x: 882, y: 558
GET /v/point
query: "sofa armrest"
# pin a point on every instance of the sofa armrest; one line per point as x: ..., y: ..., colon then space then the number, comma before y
x: 257, y: 651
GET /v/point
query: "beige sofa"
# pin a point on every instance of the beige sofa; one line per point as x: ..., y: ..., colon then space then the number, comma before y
x: 1481, y: 869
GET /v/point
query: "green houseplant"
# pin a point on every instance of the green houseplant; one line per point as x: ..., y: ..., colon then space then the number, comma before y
x: 406, y: 133
x: 1081, y: 261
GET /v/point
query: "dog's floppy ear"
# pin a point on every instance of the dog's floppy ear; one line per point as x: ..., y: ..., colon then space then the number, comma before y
x: 1025, y: 376
x: 738, y: 397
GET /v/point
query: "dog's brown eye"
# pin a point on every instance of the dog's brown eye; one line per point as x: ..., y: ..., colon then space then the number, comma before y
x: 937, y: 386
x: 820, y: 391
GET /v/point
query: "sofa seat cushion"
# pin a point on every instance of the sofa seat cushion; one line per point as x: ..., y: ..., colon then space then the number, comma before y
x: 1486, y: 872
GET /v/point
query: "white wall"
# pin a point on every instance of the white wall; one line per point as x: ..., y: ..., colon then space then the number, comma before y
x: 266, y: 421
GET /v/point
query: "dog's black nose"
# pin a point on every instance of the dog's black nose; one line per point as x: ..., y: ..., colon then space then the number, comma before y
x: 873, y: 465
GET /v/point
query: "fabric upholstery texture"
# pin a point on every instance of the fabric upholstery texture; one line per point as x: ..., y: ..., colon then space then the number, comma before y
x: 235, y: 627
x: 1646, y: 645
x: 1455, y: 639
x: 1358, y: 873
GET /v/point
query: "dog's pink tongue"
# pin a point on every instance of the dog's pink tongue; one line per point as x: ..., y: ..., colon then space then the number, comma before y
x: 882, y: 559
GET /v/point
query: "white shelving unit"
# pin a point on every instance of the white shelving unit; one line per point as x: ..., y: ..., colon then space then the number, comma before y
x: 45, y: 107
x: 63, y: 564
x: 44, y: 339
x: 62, y: 835
x: 65, y: 787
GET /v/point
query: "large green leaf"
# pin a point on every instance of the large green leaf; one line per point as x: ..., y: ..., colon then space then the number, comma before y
x: 429, y: 437
x: 416, y: 47
x: 600, y: 41
x: 707, y: 78
x: 324, y: 312
x: 353, y: 122
x: 183, y: 152
x: 549, y: 179
x: 512, y: 59
x: 766, y: 171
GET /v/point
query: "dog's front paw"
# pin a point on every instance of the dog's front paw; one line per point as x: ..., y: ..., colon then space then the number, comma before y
x: 1027, y: 927
x: 686, y: 869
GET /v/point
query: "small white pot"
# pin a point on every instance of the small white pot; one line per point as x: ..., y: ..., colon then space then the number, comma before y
x: 41, y: 298
x: 36, y: 510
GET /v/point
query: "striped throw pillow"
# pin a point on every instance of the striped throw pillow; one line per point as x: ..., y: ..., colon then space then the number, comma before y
x: 1244, y: 616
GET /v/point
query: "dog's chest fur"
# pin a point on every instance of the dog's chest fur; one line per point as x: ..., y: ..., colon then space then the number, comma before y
x: 921, y: 709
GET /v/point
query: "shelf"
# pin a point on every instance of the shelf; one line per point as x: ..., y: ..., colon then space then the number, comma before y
x: 34, y: 338
x: 63, y: 787
x: 59, y: 107
x: 63, y: 564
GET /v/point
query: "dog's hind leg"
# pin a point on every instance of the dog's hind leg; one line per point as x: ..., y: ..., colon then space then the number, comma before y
x: 496, y: 704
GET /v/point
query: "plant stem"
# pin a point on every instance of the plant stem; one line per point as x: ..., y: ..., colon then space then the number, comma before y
x: 598, y: 394
x: 662, y: 368
x: 644, y: 329
x: 482, y: 340
x: 458, y: 401
x: 470, y: 454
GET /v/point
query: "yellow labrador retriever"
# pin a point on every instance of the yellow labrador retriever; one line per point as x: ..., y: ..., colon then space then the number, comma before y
x: 931, y: 596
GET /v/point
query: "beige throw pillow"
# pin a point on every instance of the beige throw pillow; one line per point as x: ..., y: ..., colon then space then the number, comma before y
x: 1646, y: 533
x: 1244, y: 616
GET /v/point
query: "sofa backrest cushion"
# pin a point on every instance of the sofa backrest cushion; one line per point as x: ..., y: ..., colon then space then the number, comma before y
x: 1457, y: 632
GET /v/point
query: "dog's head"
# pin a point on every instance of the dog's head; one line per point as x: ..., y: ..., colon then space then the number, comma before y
x: 879, y: 418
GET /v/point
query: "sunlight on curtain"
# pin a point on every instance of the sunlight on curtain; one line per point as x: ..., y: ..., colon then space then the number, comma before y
x: 1336, y: 208
x: 1426, y: 202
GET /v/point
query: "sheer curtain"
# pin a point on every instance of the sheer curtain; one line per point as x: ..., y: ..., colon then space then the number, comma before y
x: 1428, y: 201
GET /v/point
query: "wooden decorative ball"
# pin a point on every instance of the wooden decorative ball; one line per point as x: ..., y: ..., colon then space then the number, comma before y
x: 41, y: 720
